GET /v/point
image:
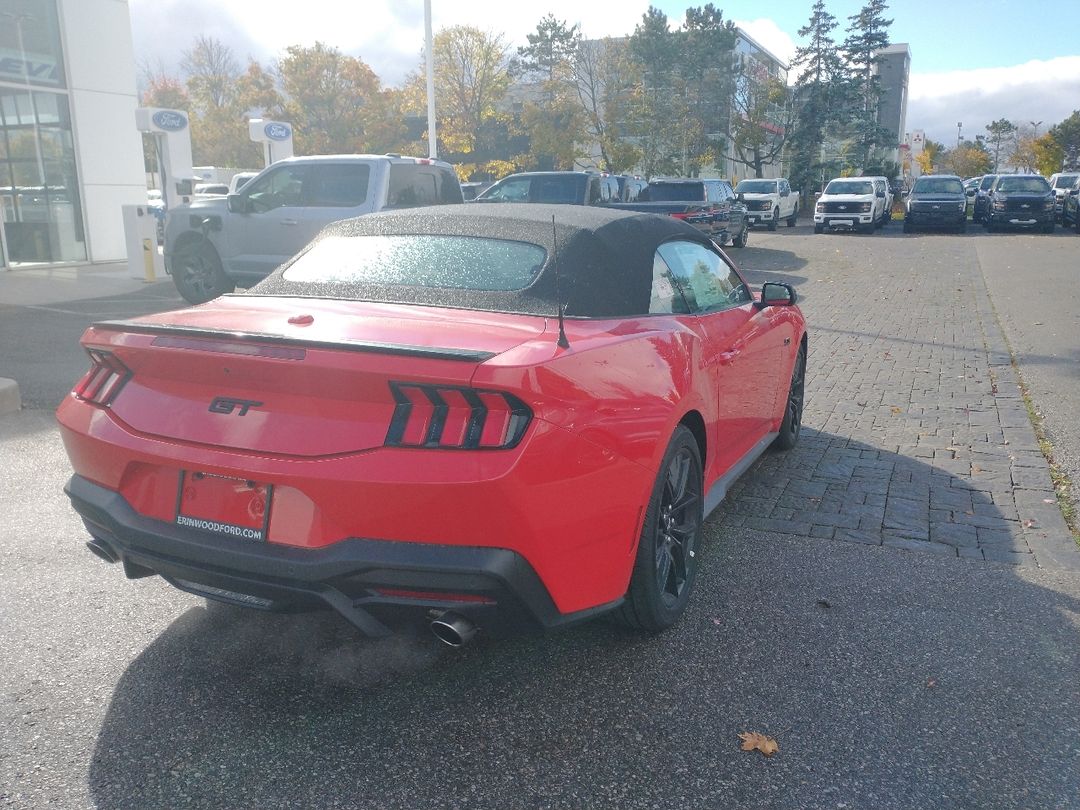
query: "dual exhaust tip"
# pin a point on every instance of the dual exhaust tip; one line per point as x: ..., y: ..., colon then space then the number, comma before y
x: 453, y: 629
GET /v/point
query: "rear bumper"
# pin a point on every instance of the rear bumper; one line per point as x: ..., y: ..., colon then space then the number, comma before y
x: 375, y: 584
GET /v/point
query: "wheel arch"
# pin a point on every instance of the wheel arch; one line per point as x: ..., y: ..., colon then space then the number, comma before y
x: 694, y: 422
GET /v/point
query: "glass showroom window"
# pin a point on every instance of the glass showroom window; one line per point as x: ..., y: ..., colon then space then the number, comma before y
x: 39, y: 190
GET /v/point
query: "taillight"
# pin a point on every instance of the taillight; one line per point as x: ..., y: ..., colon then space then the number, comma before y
x: 107, y: 375
x: 455, y: 418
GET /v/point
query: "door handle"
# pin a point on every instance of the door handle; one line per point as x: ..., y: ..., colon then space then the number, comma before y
x: 290, y: 222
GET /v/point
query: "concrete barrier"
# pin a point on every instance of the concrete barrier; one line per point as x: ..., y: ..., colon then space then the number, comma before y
x: 10, y: 400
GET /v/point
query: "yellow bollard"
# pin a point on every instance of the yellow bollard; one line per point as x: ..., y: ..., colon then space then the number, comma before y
x: 148, y: 260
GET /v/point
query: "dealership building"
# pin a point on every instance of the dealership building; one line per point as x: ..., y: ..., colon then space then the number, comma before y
x: 70, y: 154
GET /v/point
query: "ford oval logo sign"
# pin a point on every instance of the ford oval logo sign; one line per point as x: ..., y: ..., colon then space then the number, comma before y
x: 169, y: 121
x: 277, y: 132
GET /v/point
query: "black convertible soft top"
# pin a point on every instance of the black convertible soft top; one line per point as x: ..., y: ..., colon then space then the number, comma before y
x: 605, y: 257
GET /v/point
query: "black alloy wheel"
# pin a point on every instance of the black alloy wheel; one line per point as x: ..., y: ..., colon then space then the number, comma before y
x: 793, y: 411
x: 198, y: 274
x: 741, y: 240
x: 666, y: 565
x: 775, y: 221
x: 794, y: 217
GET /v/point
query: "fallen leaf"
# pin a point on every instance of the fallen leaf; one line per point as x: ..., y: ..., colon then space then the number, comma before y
x: 894, y: 409
x: 931, y: 683
x: 1048, y: 500
x: 1030, y: 524
x: 752, y: 741
x: 975, y: 468
x: 717, y: 621
x: 823, y: 603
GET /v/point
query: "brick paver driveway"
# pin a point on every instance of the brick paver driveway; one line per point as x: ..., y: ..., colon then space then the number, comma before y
x: 915, y: 434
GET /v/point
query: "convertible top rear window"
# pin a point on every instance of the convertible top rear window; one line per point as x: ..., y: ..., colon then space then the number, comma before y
x: 448, y: 262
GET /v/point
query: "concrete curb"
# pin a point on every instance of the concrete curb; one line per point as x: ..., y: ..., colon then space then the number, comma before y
x: 10, y: 400
x: 1043, y: 525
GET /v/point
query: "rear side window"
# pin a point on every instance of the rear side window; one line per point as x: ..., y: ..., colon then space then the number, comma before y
x: 986, y: 182
x: 411, y: 185
x: 338, y: 185
x: 452, y: 262
x: 707, y: 282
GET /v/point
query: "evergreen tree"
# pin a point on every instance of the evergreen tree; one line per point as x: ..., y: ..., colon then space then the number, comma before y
x: 867, y: 35
x: 815, y: 93
x: 553, y: 120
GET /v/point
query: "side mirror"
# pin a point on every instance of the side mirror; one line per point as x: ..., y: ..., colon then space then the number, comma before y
x: 774, y: 294
x: 740, y: 197
x: 238, y: 203
x: 881, y: 195
x: 905, y: 192
x: 785, y: 193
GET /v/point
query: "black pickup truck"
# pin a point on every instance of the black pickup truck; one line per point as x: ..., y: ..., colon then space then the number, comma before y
x: 709, y: 205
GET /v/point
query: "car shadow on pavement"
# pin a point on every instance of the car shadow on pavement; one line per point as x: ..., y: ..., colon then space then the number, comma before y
x: 869, y: 665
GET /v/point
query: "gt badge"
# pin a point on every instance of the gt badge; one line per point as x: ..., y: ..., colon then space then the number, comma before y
x: 229, y: 405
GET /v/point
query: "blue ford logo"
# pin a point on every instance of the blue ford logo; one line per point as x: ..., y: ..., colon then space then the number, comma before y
x: 169, y: 121
x: 277, y: 132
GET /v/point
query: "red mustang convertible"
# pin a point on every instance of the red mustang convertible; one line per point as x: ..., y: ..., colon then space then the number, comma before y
x: 467, y: 416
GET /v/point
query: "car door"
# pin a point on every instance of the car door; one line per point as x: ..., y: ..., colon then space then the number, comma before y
x: 271, y: 229
x: 738, y: 355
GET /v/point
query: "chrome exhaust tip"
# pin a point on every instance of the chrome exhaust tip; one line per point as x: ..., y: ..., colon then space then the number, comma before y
x: 103, y: 550
x: 452, y: 629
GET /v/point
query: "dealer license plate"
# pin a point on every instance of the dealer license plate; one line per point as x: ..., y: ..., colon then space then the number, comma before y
x: 223, y: 506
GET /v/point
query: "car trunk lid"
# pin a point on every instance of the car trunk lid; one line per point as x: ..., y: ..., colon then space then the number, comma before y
x: 292, y: 376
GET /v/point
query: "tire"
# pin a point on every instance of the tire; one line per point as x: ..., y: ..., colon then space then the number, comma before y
x: 793, y: 407
x: 868, y: 227
x: 908, y: 227
x: 1076, y: 221
x: 819, y: 228
x: 961, y: 227
x: 741, y: 240
x: 794, y: 217
x: 1049, y: 227
x: 666, y: 564
x: 197, y: 273
x: 775, y: 221
x: 990, y: 226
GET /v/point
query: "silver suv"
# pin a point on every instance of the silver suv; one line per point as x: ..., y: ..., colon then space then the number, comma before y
x: 214, y: 245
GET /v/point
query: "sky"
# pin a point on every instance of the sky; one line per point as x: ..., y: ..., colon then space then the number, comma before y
x: 972, y: 62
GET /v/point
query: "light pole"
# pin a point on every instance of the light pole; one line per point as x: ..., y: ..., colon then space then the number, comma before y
x: 433, y: 146
x: 1035, y: 126
x: 959, y: 129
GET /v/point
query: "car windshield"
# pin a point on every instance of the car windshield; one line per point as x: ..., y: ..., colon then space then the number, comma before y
x: 674, y: 192
x: 451, y: 262
x: 757, y: 187
x: 1065, y: 180
x: 1032, y: 185
x: 850, y: 187
x: 938, y: 185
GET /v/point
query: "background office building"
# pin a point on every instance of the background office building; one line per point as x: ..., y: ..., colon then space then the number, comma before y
x: 893, y: 70
x: 70, y: 155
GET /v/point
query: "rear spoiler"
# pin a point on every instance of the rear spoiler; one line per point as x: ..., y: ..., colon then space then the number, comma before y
x: 432, y: 352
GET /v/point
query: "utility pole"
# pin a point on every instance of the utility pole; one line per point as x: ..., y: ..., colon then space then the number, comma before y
x: 959, y: 129
x: 433, y: 146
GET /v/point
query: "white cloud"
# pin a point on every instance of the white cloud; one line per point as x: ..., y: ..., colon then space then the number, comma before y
x: 1041, y: 90
x: 768, y: 34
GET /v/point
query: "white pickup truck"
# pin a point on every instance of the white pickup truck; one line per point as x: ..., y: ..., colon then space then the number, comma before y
x: 850, y: 203
x: 769, y: 201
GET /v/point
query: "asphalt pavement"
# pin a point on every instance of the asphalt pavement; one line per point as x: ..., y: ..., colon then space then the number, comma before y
x: 889, y: 679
